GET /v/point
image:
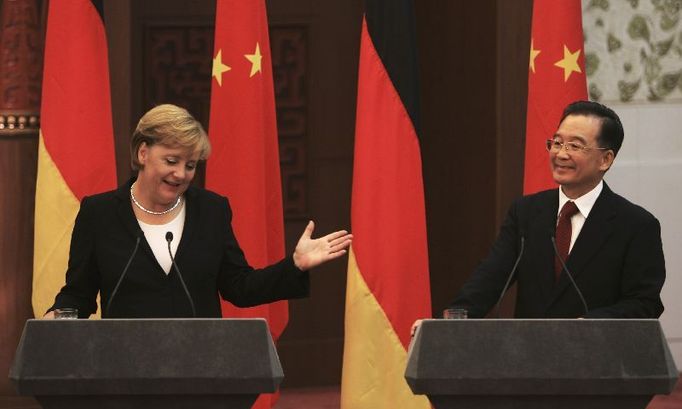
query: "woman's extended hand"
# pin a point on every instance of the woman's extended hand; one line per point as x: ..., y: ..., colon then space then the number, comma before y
x: 311, y: 252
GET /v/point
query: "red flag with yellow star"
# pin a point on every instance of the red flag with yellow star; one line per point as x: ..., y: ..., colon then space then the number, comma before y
x: 244, y: 165
x: 556, y: 77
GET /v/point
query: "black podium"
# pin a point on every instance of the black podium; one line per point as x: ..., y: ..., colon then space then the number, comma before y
x: 533, y: 364
x: 146, y: 363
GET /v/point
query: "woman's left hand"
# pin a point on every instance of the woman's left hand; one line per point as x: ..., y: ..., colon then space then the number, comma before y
x: 311, y: 252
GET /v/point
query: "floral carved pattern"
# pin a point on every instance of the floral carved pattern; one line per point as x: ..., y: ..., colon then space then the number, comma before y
x: 633, y: 49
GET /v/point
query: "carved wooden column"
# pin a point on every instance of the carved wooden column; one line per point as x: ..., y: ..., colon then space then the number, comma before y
x: 21, y: 59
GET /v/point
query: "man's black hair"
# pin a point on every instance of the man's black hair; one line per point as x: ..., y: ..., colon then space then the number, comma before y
x: 611, y: 133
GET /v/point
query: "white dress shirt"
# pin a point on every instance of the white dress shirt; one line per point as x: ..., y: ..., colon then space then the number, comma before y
x: 155, y: 234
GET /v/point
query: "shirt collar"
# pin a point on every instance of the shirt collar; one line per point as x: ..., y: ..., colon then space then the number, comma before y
x: 584, y: 202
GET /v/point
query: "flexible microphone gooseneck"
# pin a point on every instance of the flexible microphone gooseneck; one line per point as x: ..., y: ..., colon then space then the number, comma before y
x: 511, y: 274
x: 568, y: 273
x: 169, y: 238
x: 123, y: 274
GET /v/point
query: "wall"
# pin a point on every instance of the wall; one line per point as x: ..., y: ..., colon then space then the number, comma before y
x: 647, y: 171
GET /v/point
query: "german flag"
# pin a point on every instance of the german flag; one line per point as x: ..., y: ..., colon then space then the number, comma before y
x: 388, y: 276
x: 556, y: 77
x: 76, y: 149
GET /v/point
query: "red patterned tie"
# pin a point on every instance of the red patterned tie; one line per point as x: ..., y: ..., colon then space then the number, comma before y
x: 563, y: 234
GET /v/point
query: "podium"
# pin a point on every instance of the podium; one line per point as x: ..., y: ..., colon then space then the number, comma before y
x: 533, y: 364
x: 146, y: 363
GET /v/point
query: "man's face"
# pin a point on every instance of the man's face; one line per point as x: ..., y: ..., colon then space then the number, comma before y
x: 579, y: 171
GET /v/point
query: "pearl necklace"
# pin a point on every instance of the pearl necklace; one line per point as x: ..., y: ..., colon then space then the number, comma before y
x: 139, y: 206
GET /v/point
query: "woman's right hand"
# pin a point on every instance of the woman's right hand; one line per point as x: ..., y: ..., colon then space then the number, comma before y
x: 49, y: 316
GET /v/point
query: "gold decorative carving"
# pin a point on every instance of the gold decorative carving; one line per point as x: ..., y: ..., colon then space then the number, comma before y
x: 19, y: 121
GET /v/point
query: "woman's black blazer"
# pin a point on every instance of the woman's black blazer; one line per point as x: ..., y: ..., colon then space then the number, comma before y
x: 208, y: 257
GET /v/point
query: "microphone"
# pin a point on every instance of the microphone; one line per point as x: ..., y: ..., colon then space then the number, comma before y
x: 169, y: 238
x: 123, y: 274
x: 568, y: 273
x: 511, y: 274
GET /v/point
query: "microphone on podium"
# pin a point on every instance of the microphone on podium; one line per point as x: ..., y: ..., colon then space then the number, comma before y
x: 511, y: 274
x: 123, y: 274
x: 568, y: 273
x: 169, y: 239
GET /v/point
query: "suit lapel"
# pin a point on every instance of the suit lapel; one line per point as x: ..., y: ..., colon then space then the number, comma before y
x: 596, y: 230
x: 124, y: 209
x: 127, y: 216
x: 191, y: 222
x: 542, y: 228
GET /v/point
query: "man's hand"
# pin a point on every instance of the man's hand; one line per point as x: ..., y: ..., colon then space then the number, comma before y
x: 414, y: 327
x: 311, y: 253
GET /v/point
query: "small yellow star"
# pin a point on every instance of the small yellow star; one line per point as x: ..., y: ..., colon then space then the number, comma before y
x: 255, y: 59
x: 533, y: 53
x: 569, y: 63
x: 219, y: 68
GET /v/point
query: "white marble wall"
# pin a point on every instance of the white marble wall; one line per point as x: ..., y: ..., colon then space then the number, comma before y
x: 648, y: 171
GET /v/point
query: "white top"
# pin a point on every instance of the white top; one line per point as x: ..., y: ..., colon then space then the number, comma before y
x: 155, y: 234
x: 584, y: 204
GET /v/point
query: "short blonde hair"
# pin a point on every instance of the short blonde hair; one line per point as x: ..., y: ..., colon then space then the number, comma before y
x: 171, y: 126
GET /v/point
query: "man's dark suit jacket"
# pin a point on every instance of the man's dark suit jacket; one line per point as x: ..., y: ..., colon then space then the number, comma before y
x: 616, y: 261
x: 208, y: 257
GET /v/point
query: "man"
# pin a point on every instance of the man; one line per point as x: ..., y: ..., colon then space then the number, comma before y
x: 611, y: 247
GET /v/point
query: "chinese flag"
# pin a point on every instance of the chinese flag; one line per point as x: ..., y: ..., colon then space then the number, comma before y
x: 556, y: 77
x: 244, y: 165
x: 76, y: 147
x: 388, y: 274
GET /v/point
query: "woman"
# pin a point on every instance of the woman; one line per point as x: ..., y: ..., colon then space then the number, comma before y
x: 122, y: 239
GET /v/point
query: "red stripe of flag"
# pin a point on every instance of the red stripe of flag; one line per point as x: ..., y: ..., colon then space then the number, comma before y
x: 76, y: 107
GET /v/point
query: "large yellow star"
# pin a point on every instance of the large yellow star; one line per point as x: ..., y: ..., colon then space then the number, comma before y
x: 219, y: 68
x: 569, y: 63
x: 533, y: 53
x: 255, y: 59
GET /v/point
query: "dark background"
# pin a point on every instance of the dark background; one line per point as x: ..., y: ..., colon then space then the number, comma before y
x: 473, y: 61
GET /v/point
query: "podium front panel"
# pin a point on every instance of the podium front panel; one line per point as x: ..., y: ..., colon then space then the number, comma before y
x: 146, y: 357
